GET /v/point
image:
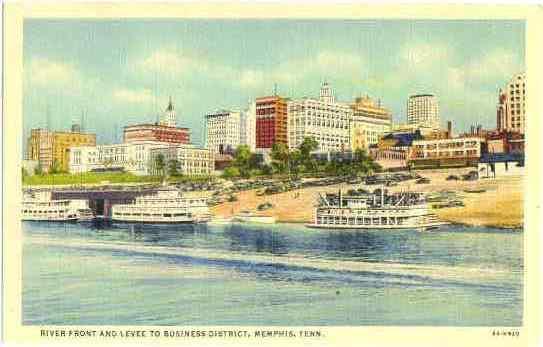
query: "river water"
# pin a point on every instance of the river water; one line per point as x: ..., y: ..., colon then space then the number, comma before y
x: 270, y: 275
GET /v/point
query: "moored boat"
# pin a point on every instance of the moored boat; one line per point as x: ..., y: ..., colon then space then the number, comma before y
x: 377, y: 210
x: 39, y: 206
x: 166, y: 205
x: 250, y: 217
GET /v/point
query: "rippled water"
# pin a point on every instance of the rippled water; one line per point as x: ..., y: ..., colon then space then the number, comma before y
x: 270, y: 275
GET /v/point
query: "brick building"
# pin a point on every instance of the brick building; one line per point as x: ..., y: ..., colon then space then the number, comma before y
x: 271, y: 121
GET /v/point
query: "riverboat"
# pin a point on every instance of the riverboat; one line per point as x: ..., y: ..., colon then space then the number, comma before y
x: 166, y: 205
x: 39, y: 206
x: 377, y: 210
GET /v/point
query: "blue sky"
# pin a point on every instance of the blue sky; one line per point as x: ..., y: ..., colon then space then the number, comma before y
x: 123, y: 71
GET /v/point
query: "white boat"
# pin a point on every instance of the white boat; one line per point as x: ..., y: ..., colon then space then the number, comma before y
x: 377, y: 210
x: 249, y: 217
x: 166, y: 205
x: 38, y: 206
x: 220, y: 221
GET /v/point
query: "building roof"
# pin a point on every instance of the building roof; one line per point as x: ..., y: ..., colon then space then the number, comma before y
x: 170, y: 105
x: 154, y: 125
x: 404, y: 139
x: 501, y: 157
x: 421, y: 95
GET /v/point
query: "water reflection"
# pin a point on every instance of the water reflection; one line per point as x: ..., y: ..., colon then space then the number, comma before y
x: 261, y: 241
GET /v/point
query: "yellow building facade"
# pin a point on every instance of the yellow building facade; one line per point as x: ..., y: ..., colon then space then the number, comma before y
x: 370, y: 121
x: 52, y: 147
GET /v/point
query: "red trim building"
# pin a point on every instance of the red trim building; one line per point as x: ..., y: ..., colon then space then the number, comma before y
x: 271, y: 121
x: 156, y: 132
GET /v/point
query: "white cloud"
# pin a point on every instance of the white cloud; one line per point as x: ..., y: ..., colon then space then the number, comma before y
x: 497, y: 63
x: 251, y: 78
x: 165, y: 60
x: 42, y: 72
x: 325, y: 64
x: 140, y: 96
x: 424, y: 53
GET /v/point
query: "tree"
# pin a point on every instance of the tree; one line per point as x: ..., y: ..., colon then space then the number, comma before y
x: 308, y: 145
x: 295, y: 163
x: 230, y: 172
x: 279, y: 155
x: 55, y: 167
x: 24, y: 173
x: 160, y: 164
x: 243, y: 160
x: 172, y: 167
x: 38, y: 170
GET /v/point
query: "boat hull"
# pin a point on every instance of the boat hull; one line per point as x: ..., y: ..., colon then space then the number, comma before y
x: 256, y: 220
x: 170, y: 222
x: 43, y: 219
x: 425, y: 226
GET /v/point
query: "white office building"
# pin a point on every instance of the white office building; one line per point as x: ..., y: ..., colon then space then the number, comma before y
x: 511, y: 110
x: 248, y: 126
x: 423, y: 109
x: 190, y: 159
x: 223, y: 131
x: 370, y: 121
x: 324, y: 120
x: 130, y: 157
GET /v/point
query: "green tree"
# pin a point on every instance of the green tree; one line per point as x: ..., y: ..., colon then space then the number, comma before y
x: 24, y: 173
x: 38, y: 170
x: 244, y: 160
x: 308, y: 145
x: 295, y: 163
x: 230, y: 172
x: 55, y: 167
x: 279, y: 155
x: 160, y: 164
x: 172, y: 167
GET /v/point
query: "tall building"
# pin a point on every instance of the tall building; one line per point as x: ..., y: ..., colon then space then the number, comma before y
x: 423, y: 109
x: 271, y: 121
x: 324, y: 120
x: 223, y: 131
x: 168, y: 117
x: 248, y: 126
x: 51, y: 148
x: 327, y: 94
x: 369, y: 122
x: 511, y: 109
x: 164, y: 131
x: 40, y: 148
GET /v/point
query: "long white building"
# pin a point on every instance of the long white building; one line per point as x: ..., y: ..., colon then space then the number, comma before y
x: 323, y: 119
x: 423, y: 109
x: 137, y: 158
x: 190, y: 159
x: 223, y: 131
x: 130, y: 157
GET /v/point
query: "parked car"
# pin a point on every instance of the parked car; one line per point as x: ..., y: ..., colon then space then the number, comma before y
x: 264, y: 206
x: 470, y: 176
x: 452, y: 178
x: 423, y: 180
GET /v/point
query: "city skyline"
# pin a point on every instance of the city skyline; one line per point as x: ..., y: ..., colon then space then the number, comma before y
x: 123, y: 72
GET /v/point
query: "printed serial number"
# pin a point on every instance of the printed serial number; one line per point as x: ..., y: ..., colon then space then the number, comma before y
x: 512, y: 333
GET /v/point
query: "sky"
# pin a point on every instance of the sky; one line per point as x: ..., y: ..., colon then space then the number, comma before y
x: 121, y: 72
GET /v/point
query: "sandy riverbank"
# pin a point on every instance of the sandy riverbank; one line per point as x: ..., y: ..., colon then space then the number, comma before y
x: 501, y: 205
